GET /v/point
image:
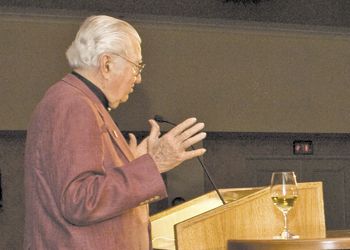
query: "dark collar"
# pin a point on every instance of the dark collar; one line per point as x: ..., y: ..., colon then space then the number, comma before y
x: 96, y: 90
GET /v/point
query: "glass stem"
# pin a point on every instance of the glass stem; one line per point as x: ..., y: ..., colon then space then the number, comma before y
x: 285, y: 214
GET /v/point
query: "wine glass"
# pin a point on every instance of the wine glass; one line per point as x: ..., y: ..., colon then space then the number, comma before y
x: 284, y: 192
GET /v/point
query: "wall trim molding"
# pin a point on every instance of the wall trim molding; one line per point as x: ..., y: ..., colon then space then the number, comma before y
x: 35, y: 14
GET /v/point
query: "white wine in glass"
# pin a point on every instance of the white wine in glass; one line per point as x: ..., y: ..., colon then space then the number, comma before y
x: 284, y: 192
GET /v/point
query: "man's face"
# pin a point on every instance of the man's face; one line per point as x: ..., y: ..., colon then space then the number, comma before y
x: 122, y: 81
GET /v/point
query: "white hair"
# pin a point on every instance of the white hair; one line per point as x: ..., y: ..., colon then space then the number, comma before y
x: 98, y: 35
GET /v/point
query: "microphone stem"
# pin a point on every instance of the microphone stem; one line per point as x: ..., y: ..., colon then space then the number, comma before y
x: 160, y: 119
x: 210, y: 179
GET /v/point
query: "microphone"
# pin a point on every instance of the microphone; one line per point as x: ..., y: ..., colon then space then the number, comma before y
x: 160, y: 119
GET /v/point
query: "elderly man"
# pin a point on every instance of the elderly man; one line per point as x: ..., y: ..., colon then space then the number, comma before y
x: 85, y: 186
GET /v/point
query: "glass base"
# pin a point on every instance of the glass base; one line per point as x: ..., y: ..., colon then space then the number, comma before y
x: 285, y: 235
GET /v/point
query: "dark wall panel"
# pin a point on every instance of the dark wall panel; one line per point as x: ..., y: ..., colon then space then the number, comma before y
x: 11, y: 166
x: 238, y: 160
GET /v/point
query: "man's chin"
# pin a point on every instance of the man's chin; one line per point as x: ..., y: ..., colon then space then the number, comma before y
x: 125, y: 98
x: 114, y: 105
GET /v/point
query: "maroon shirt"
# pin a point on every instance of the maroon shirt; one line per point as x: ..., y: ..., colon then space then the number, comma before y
x: 83, y: 187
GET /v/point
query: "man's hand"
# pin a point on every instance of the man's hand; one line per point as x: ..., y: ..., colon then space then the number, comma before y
x: 169, y: 150
x: 137, y: 150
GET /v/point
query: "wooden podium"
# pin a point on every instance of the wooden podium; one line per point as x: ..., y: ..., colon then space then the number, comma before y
x: 205, y: 223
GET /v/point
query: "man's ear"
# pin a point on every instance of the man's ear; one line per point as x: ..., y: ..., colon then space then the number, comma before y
x: 105, y: 64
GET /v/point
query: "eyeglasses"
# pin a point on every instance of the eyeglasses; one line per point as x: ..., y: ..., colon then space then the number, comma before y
x: 138, y: 67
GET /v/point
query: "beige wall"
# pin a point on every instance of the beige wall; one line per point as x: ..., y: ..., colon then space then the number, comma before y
x: 234, y: 77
